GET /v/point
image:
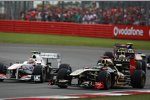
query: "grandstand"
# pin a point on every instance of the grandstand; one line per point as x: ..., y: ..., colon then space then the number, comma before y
x: 85, y: 12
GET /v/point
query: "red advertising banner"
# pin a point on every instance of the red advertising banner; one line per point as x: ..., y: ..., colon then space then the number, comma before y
x: 58, y: 28
x: 74, y: 29
x: 131, y: 32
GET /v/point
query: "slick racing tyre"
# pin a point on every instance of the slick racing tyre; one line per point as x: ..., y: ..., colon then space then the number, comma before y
x: 138, y: 65
x: 109, y: 54
x: 3, y: 69
x: 105, y: 78
x: 38, y: 70
x: 1, y: 80
x: 64, y: 74
x: 143, y: 65
x: 148, y: 59
x: 67, y: 66
x: 148, y: 62
x: 138, y: 79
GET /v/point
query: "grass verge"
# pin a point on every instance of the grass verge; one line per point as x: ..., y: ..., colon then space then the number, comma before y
x: 129, y: 97
x: 67, y: 40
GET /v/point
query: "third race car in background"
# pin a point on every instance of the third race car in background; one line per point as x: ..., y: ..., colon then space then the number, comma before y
x: 37, y: 68
x: 148, y: 62
x: 123, y: 67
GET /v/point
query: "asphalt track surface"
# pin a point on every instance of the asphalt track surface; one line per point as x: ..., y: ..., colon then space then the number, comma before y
x: 77, y: 57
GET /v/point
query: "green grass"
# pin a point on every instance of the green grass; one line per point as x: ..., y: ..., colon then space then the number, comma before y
x: 67, y: 40
x: 129, y: 97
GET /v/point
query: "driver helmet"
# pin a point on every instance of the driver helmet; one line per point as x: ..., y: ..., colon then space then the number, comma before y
x: 122, y: 56
x: 31, y: 61
x: 130, y: 45
x: 107, y: 62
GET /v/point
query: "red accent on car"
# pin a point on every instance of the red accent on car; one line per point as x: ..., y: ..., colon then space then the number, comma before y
x: 104, y: 68
x: 2, y: 74
x: 99, y: 85
x: 51, y: 82
x: 25, y: 76
x: 132, y: 66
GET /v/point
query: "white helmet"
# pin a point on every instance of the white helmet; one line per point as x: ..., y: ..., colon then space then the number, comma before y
x: 31, y: 61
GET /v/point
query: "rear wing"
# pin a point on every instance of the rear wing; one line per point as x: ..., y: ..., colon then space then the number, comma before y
x: 47, y: 55
x: 50, y: 55
x: 55, y: 56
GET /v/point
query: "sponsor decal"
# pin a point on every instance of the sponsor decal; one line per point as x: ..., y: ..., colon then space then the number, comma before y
x: 128, y: 31
x: 99, y: 85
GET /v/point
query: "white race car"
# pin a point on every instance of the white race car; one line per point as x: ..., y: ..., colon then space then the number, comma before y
x: 148, y: 62
x: 37, y: 68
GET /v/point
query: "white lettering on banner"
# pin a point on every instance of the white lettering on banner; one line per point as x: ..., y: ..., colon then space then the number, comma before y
x: 128, y: 31
x: 149, y: 32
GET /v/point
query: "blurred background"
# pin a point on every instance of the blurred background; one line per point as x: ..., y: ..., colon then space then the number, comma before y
x: 85, y: 12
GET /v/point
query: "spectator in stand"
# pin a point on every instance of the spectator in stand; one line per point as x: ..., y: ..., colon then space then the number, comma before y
x: 77, y: 17
x: 128, y: 15
x: 85, y: 18
x: 22, y: 16
x: 38, y: 16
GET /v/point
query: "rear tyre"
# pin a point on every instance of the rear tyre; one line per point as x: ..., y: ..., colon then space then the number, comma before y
x: 109, y: 54
x: 104, y: 77
x: 138, y: 65
x: 64, y: 74
x: 67, y: 66
x: 38, y: 70
x: 138, y: 79
x: 143, y: 65
x: 148, y: 61
x: 62, y: 85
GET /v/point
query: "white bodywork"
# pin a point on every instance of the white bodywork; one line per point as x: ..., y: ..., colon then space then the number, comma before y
x: 80, y: 71
x: 15, y: 66
x: 38, y: 58
x: 138, y: 57
x: 148, y: 65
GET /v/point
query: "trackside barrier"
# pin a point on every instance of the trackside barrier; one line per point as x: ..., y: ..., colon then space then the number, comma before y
x: 58, y: 28
x: 131, y: 32
x: 75, y: 29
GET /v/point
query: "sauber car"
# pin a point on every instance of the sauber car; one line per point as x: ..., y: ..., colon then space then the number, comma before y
x: 37, y: 68
x: 124, y: 67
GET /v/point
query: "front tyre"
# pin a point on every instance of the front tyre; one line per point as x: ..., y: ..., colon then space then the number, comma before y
x: 3, y: 69
x: 138, y: 79
x: 105, y: 78
x: 1, y: 80
x: 63, y: 78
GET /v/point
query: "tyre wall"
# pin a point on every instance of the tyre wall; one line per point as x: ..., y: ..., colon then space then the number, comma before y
x: 75, y: 29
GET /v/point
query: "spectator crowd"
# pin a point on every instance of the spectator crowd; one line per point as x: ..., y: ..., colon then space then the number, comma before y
x: 120, y: 15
